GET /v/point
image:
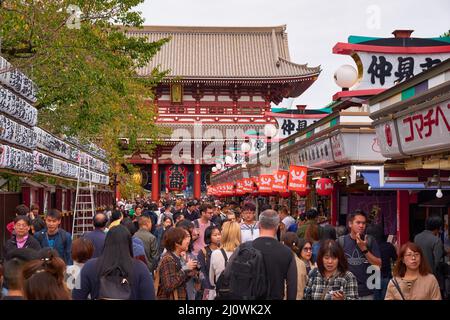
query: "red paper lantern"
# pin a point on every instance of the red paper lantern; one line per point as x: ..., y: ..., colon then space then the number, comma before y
x: 304, y: 193
x: 324, y: 187
x: 284, y: 194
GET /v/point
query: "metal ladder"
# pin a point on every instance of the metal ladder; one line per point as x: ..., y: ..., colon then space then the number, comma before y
x: 84, y: 205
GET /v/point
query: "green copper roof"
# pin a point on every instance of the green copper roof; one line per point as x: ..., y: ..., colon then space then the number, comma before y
x: 359, y: 39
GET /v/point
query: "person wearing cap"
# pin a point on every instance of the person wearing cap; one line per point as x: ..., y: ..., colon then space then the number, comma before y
x: 249, y: 226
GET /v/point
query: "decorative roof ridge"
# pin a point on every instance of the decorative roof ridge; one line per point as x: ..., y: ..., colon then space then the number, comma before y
x: 303, y: 66
x: 206, y: 29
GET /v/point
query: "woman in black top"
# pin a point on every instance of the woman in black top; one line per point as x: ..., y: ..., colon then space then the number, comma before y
x: 212, y: 239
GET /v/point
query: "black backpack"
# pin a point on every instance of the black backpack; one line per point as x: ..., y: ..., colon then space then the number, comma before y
x: 247, y: 274
x: 223, y: 282
x: 114, y: 286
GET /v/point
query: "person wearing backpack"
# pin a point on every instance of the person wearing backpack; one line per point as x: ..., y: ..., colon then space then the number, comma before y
x: 362, y: 252
x: 54, y: 237
x: 212, y: 239
x: 263, y: 268
x: 206, y: 211
x: 115, y: 275
x: 230, y: 240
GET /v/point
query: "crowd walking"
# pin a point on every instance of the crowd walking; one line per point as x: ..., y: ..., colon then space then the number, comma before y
x: 214, y: 250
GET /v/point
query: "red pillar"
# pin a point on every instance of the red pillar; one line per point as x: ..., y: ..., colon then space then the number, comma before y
x: 59, y: 195
x: 155, y: 180
x: 26, y: 195
x: 41, y: 200
x: 402, y: 216
x: 197, y: 181
x: 334, y: 205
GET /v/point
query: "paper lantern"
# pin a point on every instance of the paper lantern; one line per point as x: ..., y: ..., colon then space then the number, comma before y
x: 324, y: 187
x: 305, y: 193
x: 285, y: 194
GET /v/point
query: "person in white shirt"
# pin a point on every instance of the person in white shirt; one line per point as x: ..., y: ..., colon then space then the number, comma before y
x: 249, y: 225
x: 286, y: 218
x: 231, y: 239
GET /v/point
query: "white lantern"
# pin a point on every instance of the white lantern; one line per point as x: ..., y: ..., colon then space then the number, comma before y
x: 228, y: 159
x: 214, y: 169
x: 246, y: 147
x: 270, y: 130
x: 439, y: 193
x: 346, y: 76
x: 219, y: 166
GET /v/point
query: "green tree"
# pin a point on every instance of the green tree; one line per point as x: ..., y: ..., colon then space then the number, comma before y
x: 86, y: 73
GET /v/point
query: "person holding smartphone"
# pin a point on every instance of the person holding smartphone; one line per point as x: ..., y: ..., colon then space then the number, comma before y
x: 331, y: 280
x: 362, y: 252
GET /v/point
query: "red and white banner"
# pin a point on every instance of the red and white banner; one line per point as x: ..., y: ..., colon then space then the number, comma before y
x: 280, y: 179
x: 240, y: 188
x: 228, y: 189
x: 265, y: 183
x: 324, y: 187
x: 247, y: 185
x: 297, y: 178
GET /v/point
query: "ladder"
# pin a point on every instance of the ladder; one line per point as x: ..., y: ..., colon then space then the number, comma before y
x: 84, y: 204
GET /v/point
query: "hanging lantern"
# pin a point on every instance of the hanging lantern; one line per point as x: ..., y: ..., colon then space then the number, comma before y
x: 324, y: 187
x: 305, y: 193
x: 285, y: 194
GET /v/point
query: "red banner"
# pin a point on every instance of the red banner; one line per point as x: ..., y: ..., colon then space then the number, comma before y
x: 265, y: 183
x: 228, y: 189
x: 297, y: 178
x: 247, y: 185
x: 240, y: 188
x: 280, y: 179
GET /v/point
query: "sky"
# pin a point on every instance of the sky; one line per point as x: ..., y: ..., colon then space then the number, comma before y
x: 313, y: 26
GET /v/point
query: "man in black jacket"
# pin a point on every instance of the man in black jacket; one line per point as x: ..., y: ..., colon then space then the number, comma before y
x: 281, y: 268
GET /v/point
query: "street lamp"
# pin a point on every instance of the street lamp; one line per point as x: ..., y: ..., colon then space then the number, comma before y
x: 345, y: 76
x: 270, y: 131
x: 245, y: 148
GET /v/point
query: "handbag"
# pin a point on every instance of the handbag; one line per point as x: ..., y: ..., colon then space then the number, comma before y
x: 397, y: 286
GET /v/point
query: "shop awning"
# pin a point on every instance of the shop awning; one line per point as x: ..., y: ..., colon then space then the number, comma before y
x: 373, y: 180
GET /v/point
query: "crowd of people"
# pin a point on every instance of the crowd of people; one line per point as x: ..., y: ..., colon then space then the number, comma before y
x: 213, y: 250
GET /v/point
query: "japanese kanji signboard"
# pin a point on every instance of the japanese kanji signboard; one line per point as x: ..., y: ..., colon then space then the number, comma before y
x: 420, y: 131
x: 382, y: 70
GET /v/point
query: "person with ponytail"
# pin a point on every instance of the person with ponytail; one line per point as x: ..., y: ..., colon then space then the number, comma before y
x: 291, y: 240
x: 43, y: 279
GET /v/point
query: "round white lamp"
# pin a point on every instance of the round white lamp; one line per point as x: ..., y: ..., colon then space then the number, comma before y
x: 219, y: 166
x: 270, y: 130
x: 439, y: 193
x: 228, y: 159
x: 246, y: 147
x: 345, y: 76
x: 214, y: 169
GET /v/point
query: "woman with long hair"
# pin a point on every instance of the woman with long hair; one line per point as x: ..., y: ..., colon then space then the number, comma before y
x: 331, y: 280
x: 291, y: 240
x: 212, y: 240
x: 231, y: 239
x: 43, y: 279
x: 412, y: 279
x: 115, y: 274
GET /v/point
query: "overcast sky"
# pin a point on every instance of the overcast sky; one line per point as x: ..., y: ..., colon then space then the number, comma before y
x: 313, y: 26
